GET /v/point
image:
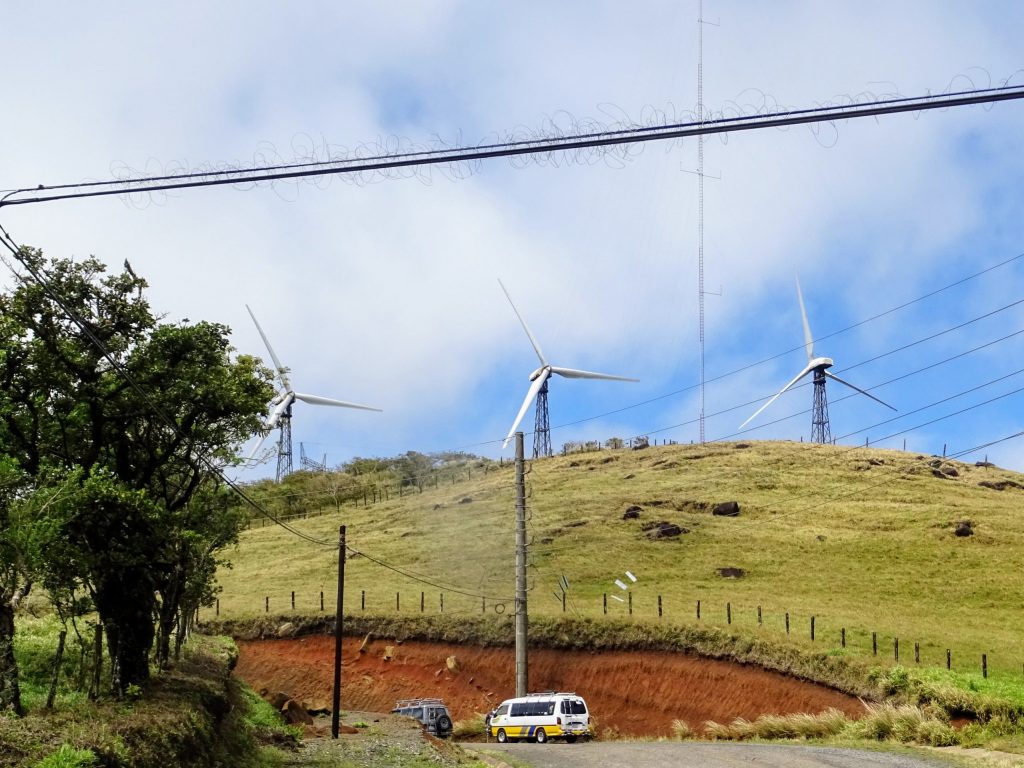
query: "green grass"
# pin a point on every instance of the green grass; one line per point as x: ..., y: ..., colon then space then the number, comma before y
x: 860, y: 539
x: 193, y: 714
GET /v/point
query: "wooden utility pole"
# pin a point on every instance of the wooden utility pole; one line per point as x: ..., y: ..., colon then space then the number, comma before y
x: 336, y: 703
x: 521, y: 616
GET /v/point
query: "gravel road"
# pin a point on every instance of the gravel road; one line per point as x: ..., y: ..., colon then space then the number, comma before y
x: 694, y: 755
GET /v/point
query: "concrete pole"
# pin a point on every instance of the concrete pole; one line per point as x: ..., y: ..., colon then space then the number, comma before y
x: 522, y: 687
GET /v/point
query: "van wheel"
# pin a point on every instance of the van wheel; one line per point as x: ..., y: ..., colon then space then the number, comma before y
x: 570, y: 739
x: 502, y: 736
x: 541, y: 736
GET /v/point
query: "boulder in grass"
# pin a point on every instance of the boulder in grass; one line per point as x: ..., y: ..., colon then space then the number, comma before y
x: 726, y: 509
x: 963, y: 528
x: 731, y: 572
x: 664, y: 530
x: 632, y: 513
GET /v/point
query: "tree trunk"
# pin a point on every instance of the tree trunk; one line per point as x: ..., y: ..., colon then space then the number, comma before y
x: 10, y: 692
x: 125, y: 606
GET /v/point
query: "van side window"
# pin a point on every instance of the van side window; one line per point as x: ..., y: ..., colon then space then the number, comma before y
x: 564, y: 708
x: 519, y: 709
x: 551, y: 708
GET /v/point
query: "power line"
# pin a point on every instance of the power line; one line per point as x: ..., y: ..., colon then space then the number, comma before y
x: 633, y: 135
x: 422, y: 580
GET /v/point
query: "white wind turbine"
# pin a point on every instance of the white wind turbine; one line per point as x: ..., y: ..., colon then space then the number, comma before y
x: 280, y: 415
x: 539, y: 390
x: 820, y: 432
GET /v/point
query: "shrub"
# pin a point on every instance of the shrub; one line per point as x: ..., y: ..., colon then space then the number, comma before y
x: 68, y: 757
x: 473, y: 726
x: 681, y: 730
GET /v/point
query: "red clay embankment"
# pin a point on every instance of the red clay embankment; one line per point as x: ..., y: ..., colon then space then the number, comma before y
x: 636, y: 693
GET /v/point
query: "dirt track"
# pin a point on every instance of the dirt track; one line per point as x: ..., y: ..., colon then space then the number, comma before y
x: 631, y: 693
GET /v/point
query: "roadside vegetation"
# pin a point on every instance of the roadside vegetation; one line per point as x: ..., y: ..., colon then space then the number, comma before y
x: 193, y: 714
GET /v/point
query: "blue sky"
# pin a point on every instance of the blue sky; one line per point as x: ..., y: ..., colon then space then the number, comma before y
x: 386, y: 292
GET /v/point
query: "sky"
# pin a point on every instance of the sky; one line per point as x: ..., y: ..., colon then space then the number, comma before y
x: 385, y: 291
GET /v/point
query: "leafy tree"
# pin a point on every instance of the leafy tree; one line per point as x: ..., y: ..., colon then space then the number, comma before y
x: 13, y: 582
x: 135, y: 434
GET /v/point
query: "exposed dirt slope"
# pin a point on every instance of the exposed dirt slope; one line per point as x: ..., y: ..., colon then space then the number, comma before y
x: 634, y: 693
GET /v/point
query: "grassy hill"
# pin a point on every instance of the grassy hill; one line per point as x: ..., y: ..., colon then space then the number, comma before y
x: 858, y: 538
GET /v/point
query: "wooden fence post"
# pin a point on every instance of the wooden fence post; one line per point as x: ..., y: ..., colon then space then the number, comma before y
x: 759, y: 621
x: 362, y: 601
x: 423, y: 598
x: 896, y: 649
x: 321, y: 599
x: 917, y: 653
x: 659, y: 606
x: 984, y: 665
x: 442, y: 602
x: 217, y: 609
x: 698, y: 610
x: 728, y: 613
x: 630, y: 596
x: 949, y: 659
x: 874, y: 644
x: 604, y: 598
x: 293, y: 599
x: 842, y: 637
x: 812, y: 629
x: 266, y: 604
x: 787, y: 622
x: 397, y: 605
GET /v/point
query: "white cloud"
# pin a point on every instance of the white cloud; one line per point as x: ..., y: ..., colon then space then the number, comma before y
x: 387, y: 293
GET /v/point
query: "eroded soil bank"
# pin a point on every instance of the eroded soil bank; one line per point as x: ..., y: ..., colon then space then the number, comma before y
x: 635, y: 693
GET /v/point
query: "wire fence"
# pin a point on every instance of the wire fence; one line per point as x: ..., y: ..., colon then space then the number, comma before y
x: 808, y: 630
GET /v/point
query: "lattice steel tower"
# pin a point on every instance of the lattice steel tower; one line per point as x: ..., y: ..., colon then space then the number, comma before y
x: 820, y: 432
x: 542, y: 427
x: 284, y: 444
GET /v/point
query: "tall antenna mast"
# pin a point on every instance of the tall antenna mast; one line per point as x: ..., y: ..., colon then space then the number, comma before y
x: 700, y: 200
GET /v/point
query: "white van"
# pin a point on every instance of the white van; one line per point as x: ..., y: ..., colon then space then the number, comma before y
x: 541, y: 716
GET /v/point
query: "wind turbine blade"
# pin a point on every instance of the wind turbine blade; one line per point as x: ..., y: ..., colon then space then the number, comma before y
x: 259, y: 445
x: 536, y: 346
x: 808, y: 339
x: 532, y: 393
x: 572, y: 373
x: 799, y: 376
x: 277, y: 363
x: 317, y: 400
x: 851, y: 386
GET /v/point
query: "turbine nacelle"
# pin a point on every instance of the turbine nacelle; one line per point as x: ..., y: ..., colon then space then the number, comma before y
x: 820, y: 363
x: 539, y: 371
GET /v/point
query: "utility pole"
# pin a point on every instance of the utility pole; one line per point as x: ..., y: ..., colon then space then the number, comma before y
x: 336, y: 703
x: 521, y: 620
